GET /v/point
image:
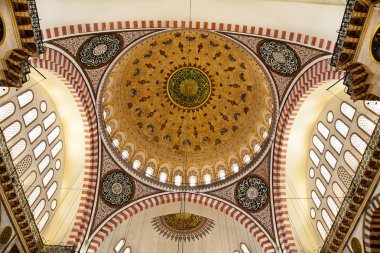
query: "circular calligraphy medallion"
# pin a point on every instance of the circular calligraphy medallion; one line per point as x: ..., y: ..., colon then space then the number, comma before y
x: 117, y: 188
x: 189, y: 87
x: 279, y: 57
x: 252, y: 193
x: 99, y: 50
x: 375, y: 45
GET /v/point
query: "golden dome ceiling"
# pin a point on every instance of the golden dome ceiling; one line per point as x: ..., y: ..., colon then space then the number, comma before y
x: 187, y: 102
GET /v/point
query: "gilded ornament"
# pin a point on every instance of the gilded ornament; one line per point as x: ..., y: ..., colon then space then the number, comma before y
x: 279, y: 57
x: 252, y: 193
x: 117, y: 188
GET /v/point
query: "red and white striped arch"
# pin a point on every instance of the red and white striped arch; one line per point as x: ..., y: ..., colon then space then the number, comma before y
x: 371, y: 225
x: 316, y: 74
x: 128, y: 212
x: 305, y: 84
x: 304, y: 39
x: 55, y: 61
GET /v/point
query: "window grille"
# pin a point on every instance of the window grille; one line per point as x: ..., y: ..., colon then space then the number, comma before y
x: 119, y: 245
x: 37, y: 211
x: 326, y: 217
x: 34, y: 133
x: 358, y: 143
x: 344, y: 177
x: 30, y: 116
x: 321, y: 230
x: 339, y: 193
x: 332, y: 205
x: 367, y: 125
x: 347, y: 110
x: 325, y: 173
x: 29, y: 180
x: 53, y: 135
x: 342, y: 128
x: 12, y: 130
x: 314, y: 158
x: 43, y: 221
x: 193, y: 181
x: 6, y: 111
x: 17, y: 149
x: 51, y: 190
x: 47, y: 178
x: 34, y: 195
x: 316, y: 199
x: 39, y: 149
x: 178, y: 180
x: 49, y: 120
x: 44, y: 163
x: 336, y: 144
x: 321, y: 188
x: 163, y: 177
x: 318, y: 144
x: 323, y: 130
x: 350, y: 159
x: 373, y: 106
x: 56, y: 149
x: 330, y: 158
x: 25, y: 98
x: 330, y: 117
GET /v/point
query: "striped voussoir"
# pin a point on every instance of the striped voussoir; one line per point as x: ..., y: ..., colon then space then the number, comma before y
x: 129, y: 211
x: 319, y: 72
x: 66, y: 68
x: 54, y: 61
x: 371, y: 226
x: 307, y: 40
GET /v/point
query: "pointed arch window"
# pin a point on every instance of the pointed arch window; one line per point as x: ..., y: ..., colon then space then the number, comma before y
x: 4, y: 91
x: 207, y: 179
x: 373, y: 106
x: 30, y: 116
x: 149, y: 171
x: 119, y: 245
x: 320, y: 186
x: 163, y: 177
x: 56, y: 149
x: 318, y: 144
x: 351, y: 160
x: 316, y: 199
x: 34, y: 195
x: 6, y: 111
x: 44, y: 163
x: 25, y: 98
x: 17, y: 149
x: 177, y: 180
x: 244, y: 248
x: 43, y: 221
x: 330, y: 158
x: 193, y: 181
x: 35, y: 133
x: 314, y: 158
x: 48, y: 177
x: 358, y: 143
x: 39, y: 149
x: 367, y: 125
x: 37, y: 211
x: 347, y: 110
x: 51, y: 190
x: 12, y: 130
x: 332, y: 205
x: 336, y: 144
x: 222, y: 174
x: 323, y: 130
x: 339, y: 193
x: 321, y: 230
x: 325, y: 173
x: 49, y: 120
x: 342, y: 128
x: 127, y: 250
x: 53, y: 134
x: 326, y: 217
x: 29, y: 180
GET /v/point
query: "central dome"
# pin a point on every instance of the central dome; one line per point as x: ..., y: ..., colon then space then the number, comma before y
x: 188, y: 103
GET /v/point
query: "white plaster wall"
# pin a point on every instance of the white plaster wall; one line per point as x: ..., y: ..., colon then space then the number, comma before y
x: 141, y: 237
x: 321, y: 20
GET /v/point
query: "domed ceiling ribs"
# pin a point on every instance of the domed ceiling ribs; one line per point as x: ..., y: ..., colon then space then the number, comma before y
x: 211, y: 79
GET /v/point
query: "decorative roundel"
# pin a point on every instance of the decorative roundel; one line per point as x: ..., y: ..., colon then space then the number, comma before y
x: 375, y: 45
x: 279, y: 57
x: 117, y: 188
x: 252, y: 193
x: 2, y: 31
x: 99, y: 50
x: 189, y: 87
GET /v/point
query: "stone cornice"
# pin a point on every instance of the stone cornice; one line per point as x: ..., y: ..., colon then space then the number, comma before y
x: 359, y: 193
x: 17, y: 202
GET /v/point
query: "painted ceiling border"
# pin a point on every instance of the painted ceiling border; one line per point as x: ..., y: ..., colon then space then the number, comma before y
x: 303, y: 39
